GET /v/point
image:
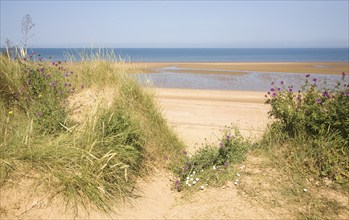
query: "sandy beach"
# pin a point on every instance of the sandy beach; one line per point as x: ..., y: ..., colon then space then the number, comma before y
x: 199, y: 115
x: 290, y: 67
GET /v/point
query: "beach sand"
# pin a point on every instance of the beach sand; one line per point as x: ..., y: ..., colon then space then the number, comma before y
x: 200, y: 115
x: 290, y: 67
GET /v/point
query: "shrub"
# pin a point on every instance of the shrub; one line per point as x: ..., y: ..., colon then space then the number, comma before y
x: 212, y: 163
x: 316, y: 109
x: 313, y: 126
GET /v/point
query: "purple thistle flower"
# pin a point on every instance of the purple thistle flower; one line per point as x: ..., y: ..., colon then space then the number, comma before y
x: 274, y: 94
x: 282, y: 82
x: 226, y: 164
x: 228, y: 137
x: 279, y: 89
x: 272, y: 89
x: 268, y: 93
x: 326, y: 94
x: 314, y: 79
x: 272, y: 83
x: 82, y: 86
x: 299, y: 98
x: 290, y: 90
x: 185, y: 168
x: 53, y: 84
x: 318, y: 100
x: 221, y: 144
x: 178, y: 185
x: 66, y: 85
x: 66, y: 75
x: 307, y: 75
x: 184, y: 152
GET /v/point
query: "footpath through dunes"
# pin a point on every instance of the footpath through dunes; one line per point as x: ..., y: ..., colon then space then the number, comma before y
x: 199, y: 115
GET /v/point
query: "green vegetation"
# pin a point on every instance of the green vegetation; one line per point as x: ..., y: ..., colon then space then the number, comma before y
x: 314, y: 125
x: 94, y: 160
x: 212, y: 165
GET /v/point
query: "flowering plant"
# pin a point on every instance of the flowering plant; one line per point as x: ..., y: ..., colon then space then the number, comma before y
x: 314, y: 110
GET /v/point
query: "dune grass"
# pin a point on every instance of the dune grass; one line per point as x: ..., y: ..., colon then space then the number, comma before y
x: 92, y: 161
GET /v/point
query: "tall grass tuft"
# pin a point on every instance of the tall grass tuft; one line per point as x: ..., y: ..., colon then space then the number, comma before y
x: 92, y: 161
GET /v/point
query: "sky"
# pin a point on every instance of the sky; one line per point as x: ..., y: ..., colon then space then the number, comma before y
x: 179, y: 24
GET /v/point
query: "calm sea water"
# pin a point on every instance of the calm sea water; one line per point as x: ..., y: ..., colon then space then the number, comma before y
x: 251, y: 80
x: 209, y: 54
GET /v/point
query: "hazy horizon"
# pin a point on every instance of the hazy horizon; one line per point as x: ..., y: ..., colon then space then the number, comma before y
x: 178, y: 24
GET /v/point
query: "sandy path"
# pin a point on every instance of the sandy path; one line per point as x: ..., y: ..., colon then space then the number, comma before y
x: 199, y: 114
x: 195, y: 115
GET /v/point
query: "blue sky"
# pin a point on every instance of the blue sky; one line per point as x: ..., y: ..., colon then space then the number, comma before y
x: 230, y: 24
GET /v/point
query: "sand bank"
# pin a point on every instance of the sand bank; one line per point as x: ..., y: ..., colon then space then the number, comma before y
x: 291, y: 67
x: 197, y: 115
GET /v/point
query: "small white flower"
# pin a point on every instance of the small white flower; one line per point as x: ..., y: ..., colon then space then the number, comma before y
x: 214, y: 167
x: 202, y: 170
x: 191, y: 175
x: 238, y: 174
x: 187, y: 177
x: 191, y: 179
x: 202, y: 187
x: 235, y: 183
x: 194, y: 182
x: 197, y: 179
x: 186, y: 182
x: 189, y: 184
x: 206, y: 184
x: 305, y: 190
x: 194, y: 172
x: 223, y: 187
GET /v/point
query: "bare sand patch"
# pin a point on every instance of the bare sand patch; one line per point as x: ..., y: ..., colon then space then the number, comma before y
x: 199, y: 115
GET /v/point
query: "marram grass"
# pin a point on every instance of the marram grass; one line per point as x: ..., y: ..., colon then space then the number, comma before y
x: 94, y: 161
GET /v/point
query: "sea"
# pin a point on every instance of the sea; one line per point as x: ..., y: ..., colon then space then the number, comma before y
x: 204, y: 54
x: 169, y: 77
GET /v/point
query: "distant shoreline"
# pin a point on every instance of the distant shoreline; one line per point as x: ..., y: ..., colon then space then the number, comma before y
x: 223, y: 67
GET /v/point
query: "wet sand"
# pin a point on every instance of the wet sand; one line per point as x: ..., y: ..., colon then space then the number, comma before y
x: 290, y: 67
